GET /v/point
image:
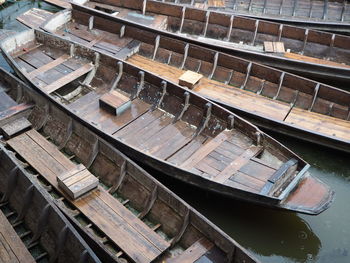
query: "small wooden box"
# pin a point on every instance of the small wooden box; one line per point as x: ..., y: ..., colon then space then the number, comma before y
x: 189, y: 79
x: 77, y: 182
x: 15, y: 127
x: 115, y: 102
x: 274, y: 47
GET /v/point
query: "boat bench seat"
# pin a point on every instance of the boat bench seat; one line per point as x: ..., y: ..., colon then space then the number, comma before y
x: 119, y: 224
x: 115, y: 102
x: 12, y: 248
x: 195, y: 252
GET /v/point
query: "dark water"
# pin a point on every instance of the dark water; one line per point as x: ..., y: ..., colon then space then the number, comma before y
x: 272, y: 236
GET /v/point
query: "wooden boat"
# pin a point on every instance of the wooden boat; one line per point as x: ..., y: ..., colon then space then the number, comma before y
x: 164, y: 125
x: 325, y: 15
x: 270, y: 98
x: 129, y: 217
x: 32, y: 228
x: 318, y: 55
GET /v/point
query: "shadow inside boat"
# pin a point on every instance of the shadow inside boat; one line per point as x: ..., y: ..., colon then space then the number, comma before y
x: 264, y: 231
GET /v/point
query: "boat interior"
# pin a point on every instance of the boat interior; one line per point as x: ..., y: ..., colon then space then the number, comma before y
x: 130, y: 215
x: 235, y: 83
x: 320, y: 10
x: 167, y: 123
x: 32, y: 229
x: 225, y: 30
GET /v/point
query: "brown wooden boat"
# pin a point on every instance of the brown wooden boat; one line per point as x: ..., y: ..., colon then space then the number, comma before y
x: 166, y: 126
x: 32, y: 228
x: 325, y: 15
x: 319, y: 55
x: 129, y: 217
x: 270, y: 98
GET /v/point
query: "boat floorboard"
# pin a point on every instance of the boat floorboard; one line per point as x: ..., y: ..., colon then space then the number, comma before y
x: 128, y: 232
x: 12, y: 248
x: 320, y: 123
x: 252, y: 102
x: 34, y: 17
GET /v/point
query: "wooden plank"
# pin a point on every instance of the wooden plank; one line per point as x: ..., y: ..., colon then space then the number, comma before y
x: 6, y: 101
x: 60, y: 3
x: 194, y: 252
x: 115, y: 102
x: 129, y: 233
x: 314, y: 60
x: 48, y: 66
x: 12, y: 249
x: 319, y: 123
x: 51, y: 149
x: 15, y: 127
x: 268, y: 46
x: 34, y: 17
x: 238, y: 163
x: 68, y: 78
x: 216, y: 3
x: 205, y: 150
x: 14, y: 113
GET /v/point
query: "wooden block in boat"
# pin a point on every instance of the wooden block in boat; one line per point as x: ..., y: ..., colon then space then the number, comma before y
x: 77, y: 182
x: 274, y: 47
x: 15, y: 127
x: 14, y: 113
x: 201, y: 5
x: 194, y: 252
x: 216, y: 3
x: 115, y: 102
x: 12, y: 248
x: 189, y: 79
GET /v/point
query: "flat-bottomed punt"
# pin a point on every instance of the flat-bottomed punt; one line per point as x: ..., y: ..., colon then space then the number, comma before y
x: 129, y: 217
x: 164, y: 125
x: 270, y: 98
x: 319, y: 55
x: 333, y: 15
x: 32, y: 228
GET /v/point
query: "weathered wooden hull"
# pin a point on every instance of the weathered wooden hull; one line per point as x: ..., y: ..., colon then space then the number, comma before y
x: 189, y: 177
x: 32, y: 209
x: 176, y: 216
x: 331, y: 16
x: 192, y: 33
x: 260, y: 119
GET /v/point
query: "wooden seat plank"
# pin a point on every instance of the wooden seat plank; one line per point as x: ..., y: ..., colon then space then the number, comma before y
x: 12, y: 248
x: 238, y: 163
x: 206, y: 148
x: 61, y: 3
x: 247, y: 180
x: 48, y: 66
x: 323, y: 124
x: 13, y: 113
x: 15, y: 127
x: 68, y: 78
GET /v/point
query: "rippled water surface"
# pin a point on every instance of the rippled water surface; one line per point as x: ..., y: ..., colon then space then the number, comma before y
x: 272, y: 236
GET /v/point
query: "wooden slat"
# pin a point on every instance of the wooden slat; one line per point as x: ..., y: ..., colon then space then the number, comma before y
x: 48, y: 66
x: 234, y: 166
x: 319, y: 123
x: 34, y: 17
x: 12, y: 248
x: 205, y: 150
x: 6, y: 101
x: 61, y: 3
x: 194, y: 252
x: 68, y: 78
x: 314, y: 60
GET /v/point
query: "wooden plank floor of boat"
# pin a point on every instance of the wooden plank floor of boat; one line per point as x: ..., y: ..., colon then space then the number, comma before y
x: 12, y: 248
x: 252, y: 102
x: 126, y: 230
x: 34, y: 17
